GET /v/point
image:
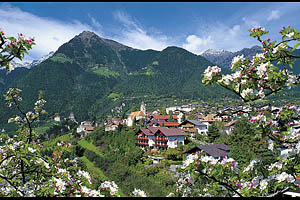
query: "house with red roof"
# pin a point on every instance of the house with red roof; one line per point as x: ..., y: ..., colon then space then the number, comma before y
x: 85, y: 127
x: 163, y: 120
x: 169, y: 124
x: 160, y: 137
x: 229, y: 127
x: 164, y: 117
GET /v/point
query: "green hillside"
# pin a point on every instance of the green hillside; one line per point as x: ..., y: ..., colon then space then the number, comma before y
x: 85, y: 72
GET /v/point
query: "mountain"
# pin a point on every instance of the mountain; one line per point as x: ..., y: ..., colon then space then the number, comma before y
x: 29, y: 65
x: 217, y: 56
x: 7, y: 78
x: 84, y: 73
x: 92, y: 53
x: 39, y: 61
x: 89, y: 75
x: 223, y: 58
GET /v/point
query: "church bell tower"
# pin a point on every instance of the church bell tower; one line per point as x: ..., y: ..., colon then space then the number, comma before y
x: 143, y: 107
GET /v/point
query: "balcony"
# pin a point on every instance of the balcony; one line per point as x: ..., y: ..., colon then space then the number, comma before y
x: 142, y: 138
x: 142, y: 143
x: 160, y: 144
x: 190, y: 130
x: 161, y: 139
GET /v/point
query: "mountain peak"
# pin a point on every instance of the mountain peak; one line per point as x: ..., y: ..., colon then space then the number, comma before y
x: 87, y: 34
x: 175, y: 49
x: 215, y: 52
x: 88, y: 37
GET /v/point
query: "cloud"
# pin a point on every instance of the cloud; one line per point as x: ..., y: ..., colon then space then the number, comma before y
x: 219, y: 36
x: 235, y: 30
x: 134, y: 35
x: 96, y: 24
x: 196, y: 44
x: 250, y: 22
x: 49, y: 33
x: 124, y: 18
x: 273, y: 15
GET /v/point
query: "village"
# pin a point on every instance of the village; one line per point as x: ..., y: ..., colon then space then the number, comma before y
x: 163, y: 131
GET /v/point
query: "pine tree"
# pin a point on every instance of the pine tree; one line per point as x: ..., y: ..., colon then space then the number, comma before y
x: 213, y: 133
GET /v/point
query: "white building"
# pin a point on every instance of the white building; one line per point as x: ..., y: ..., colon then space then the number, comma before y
x: 183, y: 108
x: 160, y: 137
x: 229, y: 127
x: 194, y: 127
x: 85, y: 127
x: 136, y: 116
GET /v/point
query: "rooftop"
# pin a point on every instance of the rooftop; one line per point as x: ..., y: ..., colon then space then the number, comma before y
x: 214, y: 150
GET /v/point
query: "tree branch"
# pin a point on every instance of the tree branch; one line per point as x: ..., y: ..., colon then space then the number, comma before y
x: 7, y: 180
x: 222, y: 183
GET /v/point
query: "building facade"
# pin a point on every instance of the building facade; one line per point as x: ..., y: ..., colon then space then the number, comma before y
x: 160, y: 137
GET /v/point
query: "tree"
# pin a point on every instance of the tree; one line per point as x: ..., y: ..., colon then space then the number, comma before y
x: 253, y: 80
x: 183, y: 118
x: 213, y: 132
x: 243, y: 142
x: 171, y: 119
x: 172, y: 154
x: 13, y: 48
x: 162, y: 110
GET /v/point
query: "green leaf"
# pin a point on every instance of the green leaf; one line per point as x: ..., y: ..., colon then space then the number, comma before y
x: 296, y: 45
x: 25, y: 160
x: 291, y: 66
x: 12, y: 39
x: 235, y: 66
x: 283, y: 37
x: 274, y: 67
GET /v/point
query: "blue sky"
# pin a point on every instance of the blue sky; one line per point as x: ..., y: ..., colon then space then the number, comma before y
x: 195, y: 26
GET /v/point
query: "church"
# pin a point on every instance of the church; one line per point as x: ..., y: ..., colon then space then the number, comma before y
x: 135, y: 116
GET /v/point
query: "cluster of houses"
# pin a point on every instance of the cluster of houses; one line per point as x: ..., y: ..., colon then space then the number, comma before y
x: 59, y: 118
x: 169, y: 130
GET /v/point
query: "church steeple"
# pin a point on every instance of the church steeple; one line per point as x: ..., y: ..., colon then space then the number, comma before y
x: 143, y: 107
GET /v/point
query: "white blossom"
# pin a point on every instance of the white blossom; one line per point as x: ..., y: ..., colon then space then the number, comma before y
x: 261, y: 69
x: 31, y: 150
x: 111, y: 185
x: 281, y: 46
x: 138, y: 192
x: 189, y: 159
x: 84, y: 174
x: 60, y: 184
x: 263, y: 184
x: 290, y: 35
x: 271, y: 145
x: 210, y: 71
x: 278, y: 165
x: 284, y: 176
x: 237, y: 59
x: 247, y: 92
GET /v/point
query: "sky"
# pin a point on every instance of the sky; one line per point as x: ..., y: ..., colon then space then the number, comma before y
x: 194, y: 26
